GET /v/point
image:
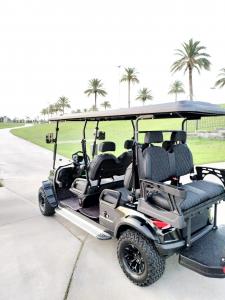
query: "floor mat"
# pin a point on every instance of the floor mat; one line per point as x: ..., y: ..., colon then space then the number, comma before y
x: 72, y: 202
x: 91, y: 212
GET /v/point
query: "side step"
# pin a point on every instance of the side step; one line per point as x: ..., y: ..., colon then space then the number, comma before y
x: 84, y: 223
x: 207, y: 255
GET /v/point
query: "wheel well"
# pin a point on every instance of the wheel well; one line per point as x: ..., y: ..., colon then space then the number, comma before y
x: 123, y: 228
x: 137, y: 225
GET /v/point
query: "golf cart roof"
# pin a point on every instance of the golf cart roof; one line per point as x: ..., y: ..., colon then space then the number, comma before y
x: 180, y: 109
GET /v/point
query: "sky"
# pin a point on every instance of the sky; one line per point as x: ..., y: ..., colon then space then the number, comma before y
x: 50, y: 48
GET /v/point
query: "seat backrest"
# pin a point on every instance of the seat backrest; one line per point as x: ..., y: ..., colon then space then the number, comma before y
x: 104, y: 165
x: 126, y: 157
x: 153, y: 160
x: 128, y: 177
x: 182, y: 160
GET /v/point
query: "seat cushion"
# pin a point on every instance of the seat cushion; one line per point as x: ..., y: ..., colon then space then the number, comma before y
x: 197, y: 192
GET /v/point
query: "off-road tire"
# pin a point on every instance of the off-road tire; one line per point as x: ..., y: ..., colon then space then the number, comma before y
x: 44, y: 206
x: 154, y: 264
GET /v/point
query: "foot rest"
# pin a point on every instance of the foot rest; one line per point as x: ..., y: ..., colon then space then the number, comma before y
x: 207, y: 255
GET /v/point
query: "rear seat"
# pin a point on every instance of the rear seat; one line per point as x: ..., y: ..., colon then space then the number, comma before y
x: 157, y: 164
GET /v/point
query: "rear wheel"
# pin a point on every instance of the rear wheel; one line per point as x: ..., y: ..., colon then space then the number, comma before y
x: 44, y: 206
x: 139, y: 259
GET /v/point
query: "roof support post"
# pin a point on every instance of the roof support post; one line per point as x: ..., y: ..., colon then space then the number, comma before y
x: 84, y: 150
x: 94, y: 144
x: 55, y: 145
x: 183, y: 124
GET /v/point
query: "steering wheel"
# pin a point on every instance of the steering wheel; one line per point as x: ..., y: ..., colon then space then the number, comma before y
x: 78, y: 158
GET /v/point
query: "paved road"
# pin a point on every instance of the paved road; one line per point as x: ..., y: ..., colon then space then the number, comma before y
x: 38, y: 255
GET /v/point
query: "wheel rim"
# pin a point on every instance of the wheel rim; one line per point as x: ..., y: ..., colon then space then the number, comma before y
x: 133, y: 259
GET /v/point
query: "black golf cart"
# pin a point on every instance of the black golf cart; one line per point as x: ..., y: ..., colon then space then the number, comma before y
x: 139, y: 197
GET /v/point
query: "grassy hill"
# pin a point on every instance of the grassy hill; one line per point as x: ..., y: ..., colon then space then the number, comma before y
x: 10, y: 125
x: 70, y: 133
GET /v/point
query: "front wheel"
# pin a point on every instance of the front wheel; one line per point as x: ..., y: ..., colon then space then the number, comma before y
x: 44, y: 206
x: 139, y: 259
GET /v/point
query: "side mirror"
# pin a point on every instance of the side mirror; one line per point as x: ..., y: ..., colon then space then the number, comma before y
x: 101, y: 135
x: 50, y: 138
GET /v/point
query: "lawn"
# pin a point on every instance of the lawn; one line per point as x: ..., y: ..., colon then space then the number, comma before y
x: 10, y: 125
x: 204, y: 150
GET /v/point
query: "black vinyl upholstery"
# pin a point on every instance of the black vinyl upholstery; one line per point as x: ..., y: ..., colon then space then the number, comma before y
x: 197, y: 192
x: 126, y: 157
x: 107, y: 146
x: 103, y: 166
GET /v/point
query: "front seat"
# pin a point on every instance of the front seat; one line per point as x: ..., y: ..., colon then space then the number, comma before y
x: 104, y: 165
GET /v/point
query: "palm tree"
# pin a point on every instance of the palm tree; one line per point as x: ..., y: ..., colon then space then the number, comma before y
x: 176, y: 88
x: 191, y: 57
x: 130, y: 76
x: 93, y: 108
x: 51, y: 109
x: 144, y: 95
x: 95, y: 87
x: 221, y: 82
x: 44, y: 111
x: 106, y: 104
x: 62, y: 103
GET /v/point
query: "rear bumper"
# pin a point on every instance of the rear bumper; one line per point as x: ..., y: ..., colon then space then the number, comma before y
x: 208, y: 271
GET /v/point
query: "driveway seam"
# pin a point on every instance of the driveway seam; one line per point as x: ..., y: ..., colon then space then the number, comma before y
x: 74, y: 268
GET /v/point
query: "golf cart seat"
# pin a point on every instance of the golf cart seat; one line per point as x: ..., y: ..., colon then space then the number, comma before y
x: 126, y: 157
x: 160, y: 165
x: 103, y: 171
x: 104, y: 165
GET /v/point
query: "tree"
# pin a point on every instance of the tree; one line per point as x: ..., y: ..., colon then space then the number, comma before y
x: 106, y: 104
x: 191, y: 57
x: 144, y: 95
x: 62, y: 103
x: 51, y: 109
x: 176, y: 88
x: 93, y: 108
x: 44, y: 111
x: 221, y: 82
x: 130, y: 76
x: 95, y: 87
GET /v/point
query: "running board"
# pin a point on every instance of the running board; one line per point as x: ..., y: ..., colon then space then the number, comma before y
x: 84, y: 223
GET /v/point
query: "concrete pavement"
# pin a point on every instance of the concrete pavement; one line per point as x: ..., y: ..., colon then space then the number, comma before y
x: 38, y: 255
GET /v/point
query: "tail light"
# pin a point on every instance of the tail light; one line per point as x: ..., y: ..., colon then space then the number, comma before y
x: 160, y: 224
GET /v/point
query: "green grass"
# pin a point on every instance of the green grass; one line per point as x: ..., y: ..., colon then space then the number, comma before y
x: 10, y: 125
x: 204, y: 150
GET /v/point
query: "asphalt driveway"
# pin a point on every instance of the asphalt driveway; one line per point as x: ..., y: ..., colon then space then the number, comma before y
x: 48, y: 258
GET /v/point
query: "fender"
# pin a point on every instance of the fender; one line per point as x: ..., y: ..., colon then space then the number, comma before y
x: 137, y: 224
x: 49, y: 193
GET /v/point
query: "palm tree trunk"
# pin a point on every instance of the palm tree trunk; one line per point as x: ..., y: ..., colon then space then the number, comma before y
x: 128, y: 93
x: 190, y: 83
x: 95, y: 100
x: 175, y: 97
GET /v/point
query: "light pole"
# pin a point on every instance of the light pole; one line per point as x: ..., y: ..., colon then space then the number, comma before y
x: 119, y: 75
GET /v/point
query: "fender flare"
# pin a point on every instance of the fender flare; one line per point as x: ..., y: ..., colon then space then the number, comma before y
x: 136, y: 223
x: 48, y: 190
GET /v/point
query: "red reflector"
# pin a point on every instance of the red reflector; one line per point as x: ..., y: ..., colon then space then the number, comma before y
x: 160, y: 224
x: 224, y: 270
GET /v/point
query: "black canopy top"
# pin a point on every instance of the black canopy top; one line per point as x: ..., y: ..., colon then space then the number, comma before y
x: 180, y: 109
